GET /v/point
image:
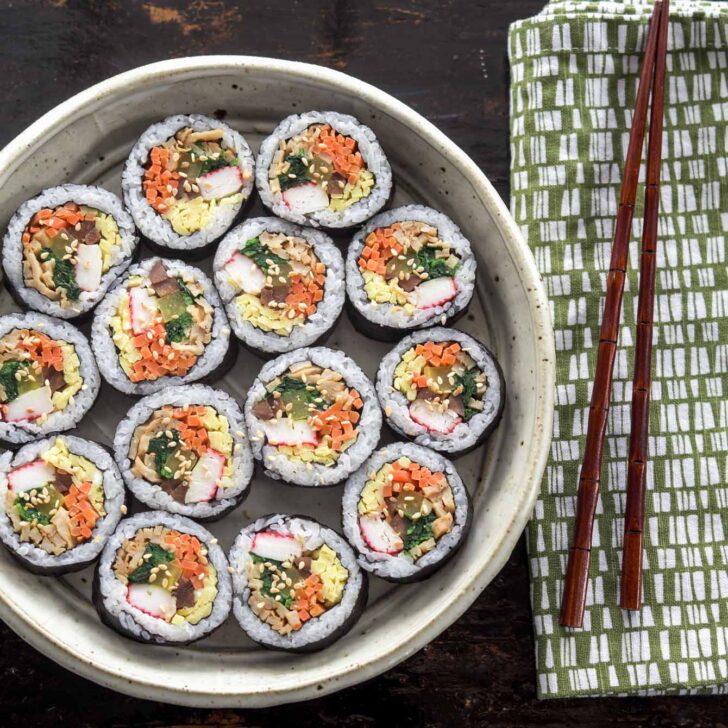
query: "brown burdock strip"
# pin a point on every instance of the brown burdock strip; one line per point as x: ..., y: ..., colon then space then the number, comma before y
x: 577, y: 572
x: 634, y: 516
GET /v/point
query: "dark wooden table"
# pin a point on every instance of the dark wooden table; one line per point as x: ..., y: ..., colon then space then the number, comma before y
x: 447, y: 59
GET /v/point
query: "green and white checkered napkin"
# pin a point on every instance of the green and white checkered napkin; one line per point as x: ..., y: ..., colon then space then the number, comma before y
x: 574, y: 70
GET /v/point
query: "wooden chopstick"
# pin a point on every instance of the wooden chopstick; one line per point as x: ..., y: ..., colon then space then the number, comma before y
x: 577, y: 571
x: 634, y: 516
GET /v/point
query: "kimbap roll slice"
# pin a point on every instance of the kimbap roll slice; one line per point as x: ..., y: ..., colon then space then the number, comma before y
x: 162, y: 325
x: 65, y: 247
x: 184, y: 450
x: 405, y: 512
x: 312, y: 417
x: 185, y: 181
x: 407, y: 269
x: 282, y: 285
x: 296, y: 584
x: 60, y: 500
x: 162, y: 579
x: 323, y: 169
x: 48, y: 377
x: 441, y: 388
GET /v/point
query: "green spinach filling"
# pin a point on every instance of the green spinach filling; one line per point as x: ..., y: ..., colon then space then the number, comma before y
x: 262, y: 256
x: 179, y: 328
x: 154, y: 555
x: 427, y: 261
x: 29, y: 513
x: 64, y: 275
x: 267, y: 576
x: 419, y: 531
x: 163, y: 447
x: 470, y: 389
x: 8, y: 381
x: 297, y: 173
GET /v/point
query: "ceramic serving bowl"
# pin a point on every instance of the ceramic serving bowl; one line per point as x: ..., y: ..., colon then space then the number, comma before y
x: 85, y: 140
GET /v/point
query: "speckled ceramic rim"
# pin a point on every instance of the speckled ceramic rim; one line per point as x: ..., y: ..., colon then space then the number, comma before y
x: 303, y: 685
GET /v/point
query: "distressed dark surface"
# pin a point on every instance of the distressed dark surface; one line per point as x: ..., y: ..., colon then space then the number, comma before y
x: 447, y: 60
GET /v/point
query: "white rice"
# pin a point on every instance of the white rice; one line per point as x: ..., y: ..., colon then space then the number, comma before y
x: 242, y: 461
x: 372, y: 153
x: 279, y: 466
x: 327, y: 310
x: 400, y: 566
x: 84, y: 553
x: 388, y: 315
x: 107, y: 354
x: 53, y: 197
x: 111, y: 593
x: 466, y: 434
x: 151, y: 224
x: 22, y: 432
x: 324, y: 627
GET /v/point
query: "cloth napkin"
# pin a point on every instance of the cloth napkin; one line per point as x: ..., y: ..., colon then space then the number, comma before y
x: 574, y: 72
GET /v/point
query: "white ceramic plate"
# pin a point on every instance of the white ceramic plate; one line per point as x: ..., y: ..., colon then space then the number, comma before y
x: 85, y: 140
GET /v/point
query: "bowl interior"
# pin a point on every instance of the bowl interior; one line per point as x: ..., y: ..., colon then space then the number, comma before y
x: 86, y: 142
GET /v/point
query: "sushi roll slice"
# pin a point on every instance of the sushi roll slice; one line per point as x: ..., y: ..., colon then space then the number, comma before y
x: 48, y: 377
x: 408, y: 268
x: 184, y: 449
x: 185, y: 181
x: 282, y: 285
x: 65, y: 247
x: 406, y: 512
x: 443, y: 389
x: 162, y: 579
x: 60, y: 500
x: 312, y: 417
x: 296, y: 584
x: 323, y: 169
x: 162, y: 325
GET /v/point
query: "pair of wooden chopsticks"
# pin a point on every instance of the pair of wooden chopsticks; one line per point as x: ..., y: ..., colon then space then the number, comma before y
x: 652, y: 74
